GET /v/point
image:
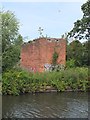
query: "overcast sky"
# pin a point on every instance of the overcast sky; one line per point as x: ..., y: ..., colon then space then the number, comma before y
x: 56, y: 18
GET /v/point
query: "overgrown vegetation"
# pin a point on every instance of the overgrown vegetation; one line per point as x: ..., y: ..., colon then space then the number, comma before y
x: 17, y: 81
x: 54, y: 58
x: 74, y: 77
x: 77, y: 54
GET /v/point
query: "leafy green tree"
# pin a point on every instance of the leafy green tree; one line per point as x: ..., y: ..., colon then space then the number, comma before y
x: 82, y: 27
x: 11, y: 40
x: 10, y: 57
x: 19, y: 40
x: 85, y: 56
x: 75, y: 52
x: 10, y: 27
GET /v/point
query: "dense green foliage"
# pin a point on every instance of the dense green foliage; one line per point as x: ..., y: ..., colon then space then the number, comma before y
x: 18, y: 81
x: 77, y: 54
x: 82, y: 27
x: 11, y: 40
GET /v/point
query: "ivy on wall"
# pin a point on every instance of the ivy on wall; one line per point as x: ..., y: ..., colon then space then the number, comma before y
x: 54, y: 58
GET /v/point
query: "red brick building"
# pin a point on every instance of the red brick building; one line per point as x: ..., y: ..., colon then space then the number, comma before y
x: 39, y: 52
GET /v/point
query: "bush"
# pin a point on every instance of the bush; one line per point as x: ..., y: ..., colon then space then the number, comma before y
x: 70, y: 63
x: 17, y: 81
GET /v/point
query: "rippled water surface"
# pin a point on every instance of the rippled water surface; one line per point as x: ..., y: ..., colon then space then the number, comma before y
x: 46, y: 105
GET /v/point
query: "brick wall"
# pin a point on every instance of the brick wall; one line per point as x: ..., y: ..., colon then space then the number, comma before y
x: 36, y: 54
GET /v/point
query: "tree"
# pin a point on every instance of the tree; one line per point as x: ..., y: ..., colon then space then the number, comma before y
x: 77, y: 53
x: 11, y: 40
x: 10, y: 27
x: 82, y: 27
x: 19, y: 40
x: 85, y: 59
x: 12, y: 55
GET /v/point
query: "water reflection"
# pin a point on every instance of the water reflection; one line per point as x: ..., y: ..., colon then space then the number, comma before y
x: 46, y: 105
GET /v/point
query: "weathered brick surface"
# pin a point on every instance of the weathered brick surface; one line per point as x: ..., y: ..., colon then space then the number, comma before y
x: 36, y: 54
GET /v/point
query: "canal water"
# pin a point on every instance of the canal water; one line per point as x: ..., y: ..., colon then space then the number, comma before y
x: 46, y: 105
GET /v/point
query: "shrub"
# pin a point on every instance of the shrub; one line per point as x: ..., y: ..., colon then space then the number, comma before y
x: 17, y: 81
x: 70, y: 63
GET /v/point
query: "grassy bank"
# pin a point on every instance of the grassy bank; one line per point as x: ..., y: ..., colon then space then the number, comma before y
x: 18, y: 81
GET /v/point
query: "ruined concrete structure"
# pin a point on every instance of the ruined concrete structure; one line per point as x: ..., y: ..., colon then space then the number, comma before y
x: 37, y: 55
